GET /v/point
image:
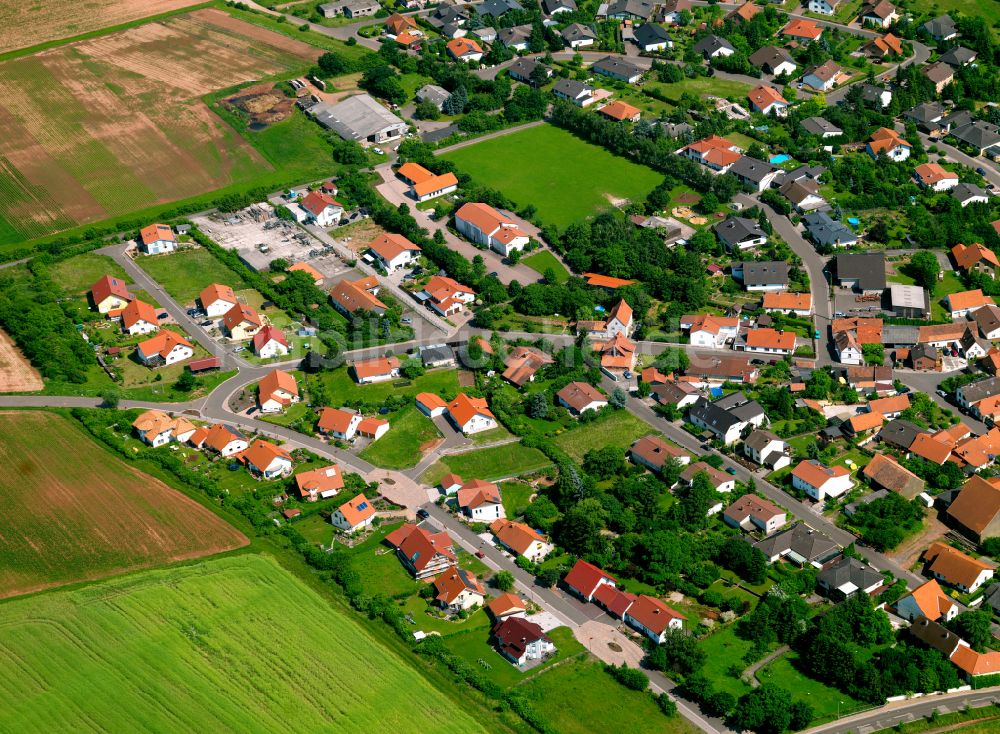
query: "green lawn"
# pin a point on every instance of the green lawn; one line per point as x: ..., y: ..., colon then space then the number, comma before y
x: 340, y: 386
x: 186, y: 273
x: 400, y: 447
x: 515, y: 497
x: 703, y: 85
x: 208, y: 647
x: 619, y: 428
x: 494, y: 463
x: 379, y: 568
x: 474, y: 646
x: 724, y: 649
x: 824, y: 699
x: 581, y: 698
x: 543, y: 260
x: 565, y: 178
x: 77, y: 274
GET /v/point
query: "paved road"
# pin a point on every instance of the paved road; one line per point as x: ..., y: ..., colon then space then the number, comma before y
x: 992, y: 174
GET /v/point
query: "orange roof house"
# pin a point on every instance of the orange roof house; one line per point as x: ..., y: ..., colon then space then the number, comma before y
x: 788, y: 302
x: 413, y: 173
x: 422, y: 552
x: 956, y: 568
x: 398, y: 23
x: 323, y: 482
x: 617, y: 354
x: 461, y: 49
x: 135, y: 314
x: 763, y: 97
x: 458, y: 588
x: 965, y: 301
x: 163, y: 345
x: 926, y: 600
x: 975, y: 257
x: 435, y: 184
x: 350, y: 296
x: 927, y: 447
x: 242, y: 321
x: 154, y: 233
x: 714, y: 151
x: 865, y: 422
x: 653, y: 617
x: 109, y: 294
x: 276, y: 390
x: 523, y: 363
x: 521, y: 539
x: 890, y: 406
x: 770, y: 340
x: 743, y: 13
x: 471, y: 414
x: 620, y: 111
x: 267, y: 459
x: 431, y: 404
x: 354, y: 514
x: 505, y: 605
x: 974, y: 663
x: 885, y: 140
x: 308, y: 270
x: 804, y: 30
x: 933, y: 174
x: 317, y: 202
x: 375, y: 370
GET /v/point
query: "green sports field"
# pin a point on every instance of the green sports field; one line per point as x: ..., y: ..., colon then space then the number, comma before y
x: 234, y: 644
x: 565, y: 178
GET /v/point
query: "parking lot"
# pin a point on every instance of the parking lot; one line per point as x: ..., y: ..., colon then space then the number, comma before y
x: 846, y: 301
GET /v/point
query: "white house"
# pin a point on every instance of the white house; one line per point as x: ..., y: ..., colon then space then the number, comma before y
x: 166, y: 348
x: 823, y: 7
x: 342, y: 424
x: 707, y: 330
x: 957, y: 569
x: 486, y: 226
x: 322, y: 209
x: 138, y: 317
x: 653, y: 618
x: 270, y: 342
x: 579, y: 397
x: 267, y: 460
x: 354, y: 515
x: 848, y: 349
x: 276, y: 391
x: 157, y: 239
x: 521, y: 641
x: 888, y: 143
x: 480, y: 501
x: 217, y: 300
x: 521, y: 539
x: 457, y: 589
x: 393, y: 251
x: 927, y: 600
x: 471, y: 415
x: 766, y: 449
x: 222, y: 439
x: 820, y: 481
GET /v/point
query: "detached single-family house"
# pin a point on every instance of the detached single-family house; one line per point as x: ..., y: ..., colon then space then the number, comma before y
x: 164, y: 349
x: 217, y: 300
x: 653, y: 618
x: 506, y: 605
x: 270, y: 342
x: 155, y: 428
x: 322, y: 483
x: 708, y: 330
x: 955, y: 568
x: 338, y: 423
x: 157, y: 239
x: 653, y: 37
x: 935, y: 177
x: 803, y: 194
x: 720, y: 480
x: 457, y: 589
x: 768, y: 101
x: 758, y: 175
x: 579, y: 397
x: 322, y: 209
x: 487, y: 226
x: 940, y: 75
x: 823, y: 7
x: 848, y: 577
x: 827, y: 232
x: 965, y: 302
x: 223, y: 440
x: 802, y: 31
x: 927, y: 600
x: 773, y: 60
x: 471, y: 415
x: 446, y: 296
x: 110, y: 294
x: 958, y: 56
x: 480, y: 501
x: 762, y: 275
x: 617, y: 68
x: 942, y: 28
x: 878, y: 13
x: 577, y: 35
x: 423, y: 553
x: 820, y: 127
x: 585, y: 578
x: 976, y: 258
x: 138, y: 317
x: 379, y: 369
x: 727, y: 418
x: 888, y: 143
x: 751, y: 512
x: 577, y: 92
x: 523, y: 363
x: 799, y: 544
x: 619, y: 111
x: 767, y: 341
x: 798, y: 304
x: 393, y: 251
x: 713, y: 152
x: 267, y: 460
x: 276, y: 391
x: 966, y: 194
x: 521, y: 540
x: 764, y: 448
x: 820, y: 481
x: 654, y: 453
x: 527, y: 70
x: 464, y: 49
x: 241, y: 322
x: 354, y: 515
x: 975, y: 512
x: 521, y: 641
x: 825, y: 76
x: 351, y: 296
x: 740, y: 233
x: 712, y: 46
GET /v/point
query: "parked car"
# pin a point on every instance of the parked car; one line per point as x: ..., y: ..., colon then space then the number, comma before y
x: 423, y: 514
x: 406, y: 320
x: 730, y: 470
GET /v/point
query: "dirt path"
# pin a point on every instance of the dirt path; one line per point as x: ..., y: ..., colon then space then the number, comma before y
x: 750, y: 674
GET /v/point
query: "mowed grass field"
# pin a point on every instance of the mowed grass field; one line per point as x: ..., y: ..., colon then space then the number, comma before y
x: 231, y: 644
x: 115, y: 124
x: 186, y: 273
x: 565, y: 178
x: 74, y: 512
x: 619, y: 428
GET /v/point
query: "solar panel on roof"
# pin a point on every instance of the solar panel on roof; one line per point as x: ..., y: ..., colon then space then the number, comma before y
x: 363, y: 506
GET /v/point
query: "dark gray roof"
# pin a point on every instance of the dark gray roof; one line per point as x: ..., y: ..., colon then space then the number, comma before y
x: 496, y: 8
x: 650, y: 33
x: 958, y: 56
x: 517, y: 34
x: 900, y: 433
x: 988, y: 318
x: 940, y: 27
x: 958, y: 118
x: 759, y: 439
x: 675, y: 129
x: 571, y: 88
x: 801, y: 540
x: 935, y: 635
x: 770, y: 57
x: 716, y: 418
x: 637, y: 8
x: 712, y: 43
x: 965, y: 191
x: 736, y: 229
x: 900, y: 336
x: 925, y: 112
x: 613, y: 65
x: 992, y: 597
x: 436, y: 353
x: 878, y: 494
x: 752, y: 169
x: 819, y: 126
x: 868, y: 268
x: 524, y: 68
x: 826, y: 231
x: 976, y: 391
x: 553, y: 5
x: 849, y: 571
x: 873, y: 94
x: 577, y: 32
x: 765, y: 272
x: 978, y: 133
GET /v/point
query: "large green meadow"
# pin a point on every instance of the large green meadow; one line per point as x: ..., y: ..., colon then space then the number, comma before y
x: 233, y: 644
x: 565, y: 178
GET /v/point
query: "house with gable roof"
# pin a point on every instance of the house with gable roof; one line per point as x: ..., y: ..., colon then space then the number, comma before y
x: 768, y: 101
x: 955, y: 568
x: 975, y: 511
x: 888, y: 143
x: 217, y: 299
x: 157, y: 239
x: 393, y: 251
x: 457, y: 589
x: 354, y: 515
x: 878, y: 13
x: 321, y: 208
x: 138, y: 317
x: 751, y: 512
x: 579, y: 397
x: 241, y: 322
x: 266, y: 460
x: 470, y: 415
x: 446, y: 295
x: 521, y: 641
x: 321, y: 483
x: 653, y: 618
x: 110, y: 294
x: 708, y: 330
x: 276, y: 391
x: 480, y: 501
x: 166, y: 348
x: 801, y: 545
x: 927, y: 600
x: 222, y: 439
x: 976, y: 258
x: 380, y: 369
x: 487, y: 226
x: 713, y: 152
x: 521, y: 540
x: 584, y: 579
x: 423, y: 553
x: 338, y: 423
x: 654, y: 453
x: 270, y: 342
x: 820, y: 481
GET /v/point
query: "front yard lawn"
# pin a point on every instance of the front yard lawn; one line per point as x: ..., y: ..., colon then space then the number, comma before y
x: 617, y: 428
x: 400, y: 447
x: 516, y: 496
x: 474, y: 647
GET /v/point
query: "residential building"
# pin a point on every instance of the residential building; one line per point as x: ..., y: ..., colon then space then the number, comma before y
x: 651, y: 37
x: 721, y: 481
x: 521, y: 641
x: 820, y: 481
x: 470, y: 415
x: 446, y: 296
x: 716, y: 153
x: 882, y: 48
x: 758, y: 175
x: 338, y: 423
x: 987, y: 320
x: 619, y: 111
x: 579, y: 397
x: 110, y: 294
x: 157, y: 239
x: 768, y: 101
x: 241, y: 322
x: 976, y: 258
x: 393, y: 251
x: 487, y: 226
x: 506, y: 605
x: 823, y: 7
x: 423, y: 553
x: 431, y: 405
x: 847, y: 577
x: 935, y: 177
x: 617, y: 68
x: 958, y: 56
x: 955, y: 568
x: 276, y: 391
x: 762, y: 275
x: 554, y: 7
x: 707, y: 330
x: 767, y: 341
x: 966, y: 302
x: 863, y: 272
x: 727, y: 417
x: 577, y: 92
x: 577, y: 35
x: 464, y: 49
x: 941, y: 28
x: 798, y: 304
x: 712, y: 46
x: 223, y: 440
x: 967, y: 194
x: 885, y: 472
x: 617, y: 355
x: 138, y: 317
x: 670, y: 11
x: 773, y: 60
x: 614, y: 601
x: 522, y: 364
x: 978, y: 134
x: 217, y: 300
x: 497, y: 8
x: 653, y: 618
x: 267, y: 460
x: 678, y: 394
x: 437, y: 355
x: 270, y: 342
x: 434, y: 94
x: 764, y: 448
x: 521, y: 540
x: 354, y: 515
x: 654, y: 453
x: 457, y: 590
x: 527, y: 70
x: 801, y: 545
x: 360, y: 118
x: 155, y: 428
x: 743, y: 13
x: 322, y: 483
x: 801, y: 30
x: 424, y: 186
x: 629, y: 9
x: 888, y: 143
x: 350, y: 297
x: 824, y: 77
x: 164, y: 349
x: 940, y: 75
x: 480, y: 501
x: 751, y: 512
x: 927, y: 600
x: 975, y: 512
x: 379, y: 369
x: 321, y: 209
x: 876, y: 96
x: 585, y: 578
x: 878, y: 13
x: 927, y: 116
x: 803, y: 194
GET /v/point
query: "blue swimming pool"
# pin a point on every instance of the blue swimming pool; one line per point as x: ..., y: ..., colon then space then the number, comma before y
x: 853, y: 221
x: 780, y: 158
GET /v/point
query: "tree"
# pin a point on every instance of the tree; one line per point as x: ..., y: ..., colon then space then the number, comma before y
x: 632, y: 678
x: 604, y: 463
x: 743, y: 559
x: 973, y: 627
x: 801, y: 715
x: 186, y: 382
x: 538, y: 405
x: 924, y: 269
x: 504, y: 580
x: 333, y: 64
x: 455, y: 104
x: 679, y: 653
x: 411, y: 369
x: 111, y: 397
x: 619, y: 399
x: 426, y: 110
x: 766, y: 710
x: 692, y: 509
x: 873, y: 353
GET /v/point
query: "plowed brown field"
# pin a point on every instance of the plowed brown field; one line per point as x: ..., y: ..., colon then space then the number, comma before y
x: 16, y: 373
x: 74, y: 512
x: 26, y: 23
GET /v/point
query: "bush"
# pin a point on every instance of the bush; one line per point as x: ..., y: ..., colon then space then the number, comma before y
x: 631, y: 678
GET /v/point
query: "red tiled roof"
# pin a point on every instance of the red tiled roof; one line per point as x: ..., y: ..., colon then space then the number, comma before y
x: 585, y: 577
x: 653, y: 614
